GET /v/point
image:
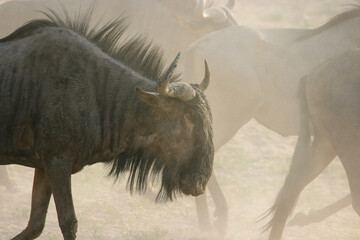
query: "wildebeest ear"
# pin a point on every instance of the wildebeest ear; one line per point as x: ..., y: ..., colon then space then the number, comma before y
x: 150, y: 98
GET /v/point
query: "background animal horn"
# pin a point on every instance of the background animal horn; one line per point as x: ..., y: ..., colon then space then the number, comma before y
x: 199, y: 9
x: 230, y: 4
x: 205, y: 82
x: 163, y: 86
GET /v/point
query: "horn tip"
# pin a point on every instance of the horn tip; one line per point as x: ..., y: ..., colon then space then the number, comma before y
x: 206, y: 65
x: 178, y: 56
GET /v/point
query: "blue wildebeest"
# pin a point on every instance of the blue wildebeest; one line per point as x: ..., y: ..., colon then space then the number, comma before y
x: 329, y: 104
x: 72, y: 97
x: 158, y: 18
x: 260, y: 71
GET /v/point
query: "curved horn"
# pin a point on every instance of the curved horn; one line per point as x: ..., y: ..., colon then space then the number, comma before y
x: 230, y: 4
x: 216, y: 15
x: 180, y: 90
x: 209, y: 4
x: 229, y: 16
x: 205, y: 82
x: 199, y: 8
x: 163, y: 86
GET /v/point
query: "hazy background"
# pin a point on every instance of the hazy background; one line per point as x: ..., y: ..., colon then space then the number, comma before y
x: 251, y: 169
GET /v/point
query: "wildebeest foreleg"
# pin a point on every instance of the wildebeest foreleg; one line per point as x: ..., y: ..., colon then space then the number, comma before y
x: 39, y: 204
x: 60, y: 179
x: 304, y: 168
x: 203, y: 212
x: 221, y: 211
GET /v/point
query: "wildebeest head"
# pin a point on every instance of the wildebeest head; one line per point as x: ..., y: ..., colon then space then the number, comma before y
x: 173, y: 134
x: 206, y: 18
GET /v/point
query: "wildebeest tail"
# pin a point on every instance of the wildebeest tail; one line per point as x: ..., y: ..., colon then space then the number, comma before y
x: 291, y: 189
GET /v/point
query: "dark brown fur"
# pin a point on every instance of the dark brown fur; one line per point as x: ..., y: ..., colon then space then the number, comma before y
x: 71, y: 102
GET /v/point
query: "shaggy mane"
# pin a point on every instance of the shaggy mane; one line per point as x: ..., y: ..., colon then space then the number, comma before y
x: 137, y: 53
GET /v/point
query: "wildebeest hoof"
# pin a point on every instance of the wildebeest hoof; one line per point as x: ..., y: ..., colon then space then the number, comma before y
x: 206, y: 226
x: 221, y: 222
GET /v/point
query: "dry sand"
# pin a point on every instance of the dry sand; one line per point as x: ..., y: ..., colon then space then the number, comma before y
x: 250, y: 169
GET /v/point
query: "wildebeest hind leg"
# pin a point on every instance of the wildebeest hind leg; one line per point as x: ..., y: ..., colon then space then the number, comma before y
x: 351, y: 163
x: 60, y: 179
x: 315, y: 216
x: 39, y: 204
x: 304, y: 168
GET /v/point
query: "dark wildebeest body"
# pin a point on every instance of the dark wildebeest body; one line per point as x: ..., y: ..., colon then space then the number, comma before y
x: 68, y: 100
x: 329, y: 102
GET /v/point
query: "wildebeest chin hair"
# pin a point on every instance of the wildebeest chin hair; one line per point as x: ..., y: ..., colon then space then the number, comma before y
x: 137, y: 52
x: 144, y: 165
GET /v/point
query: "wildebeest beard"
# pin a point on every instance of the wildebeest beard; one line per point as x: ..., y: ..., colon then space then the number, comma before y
x: 145, y: 162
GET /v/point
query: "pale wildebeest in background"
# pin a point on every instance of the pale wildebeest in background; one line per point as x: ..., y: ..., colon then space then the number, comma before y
x: 329, y: 104
x: 258, y: 79
x: 205, y: 18
x: 73, y: 97
x: 168, y: 23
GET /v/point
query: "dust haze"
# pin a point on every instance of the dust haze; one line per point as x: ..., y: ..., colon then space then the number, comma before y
x: 250, y: 168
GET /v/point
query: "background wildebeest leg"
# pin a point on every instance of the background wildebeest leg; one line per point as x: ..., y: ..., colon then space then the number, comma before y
x: 5, y: 180
x: 202, y: 211
x: 304, y: 168
x: 225, y: 125
x: 39, y: 204
x: 302, y: 219
x: 351, y: 163
x: 149, y: 193
x: 60, y: 178
x: 221, y: 211
x: 225, y: 133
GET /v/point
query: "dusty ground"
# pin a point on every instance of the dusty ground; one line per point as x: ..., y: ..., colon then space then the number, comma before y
x: 250, y: 169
